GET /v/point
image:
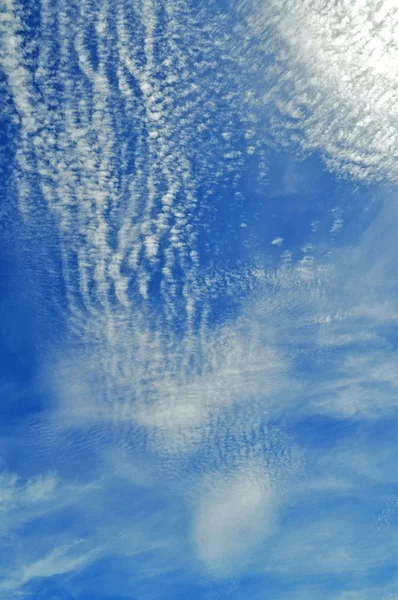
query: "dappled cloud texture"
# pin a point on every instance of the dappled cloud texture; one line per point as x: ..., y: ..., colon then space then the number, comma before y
x: 331, y: 79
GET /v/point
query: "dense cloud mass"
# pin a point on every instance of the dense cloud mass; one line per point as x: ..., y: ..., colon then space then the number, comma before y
x: 336, y: 90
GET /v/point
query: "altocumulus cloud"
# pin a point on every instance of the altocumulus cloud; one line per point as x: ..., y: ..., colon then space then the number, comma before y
x: 332, y: 84
x: 169, y: 447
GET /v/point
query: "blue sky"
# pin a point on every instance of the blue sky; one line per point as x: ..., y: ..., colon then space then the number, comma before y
x: 199, y: 307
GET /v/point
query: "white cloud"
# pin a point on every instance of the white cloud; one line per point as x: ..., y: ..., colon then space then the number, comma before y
x: 233, y: 515
x: 61, y: 560
x: 278, y: 241
x: 64, y: 533
x: 178, y: 389
x: 336, y: 84
x: 14, y: 494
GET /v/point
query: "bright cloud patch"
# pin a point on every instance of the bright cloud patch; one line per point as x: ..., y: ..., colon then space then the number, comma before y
x: 233, y: 515
x: 336, y: 82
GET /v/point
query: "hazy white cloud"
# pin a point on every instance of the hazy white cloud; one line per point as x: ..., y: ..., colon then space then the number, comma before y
x: 64, y: 533
x: 14, y: 494
x: 178, y: 390
x: 61, y: 560
x: 234, y: 513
